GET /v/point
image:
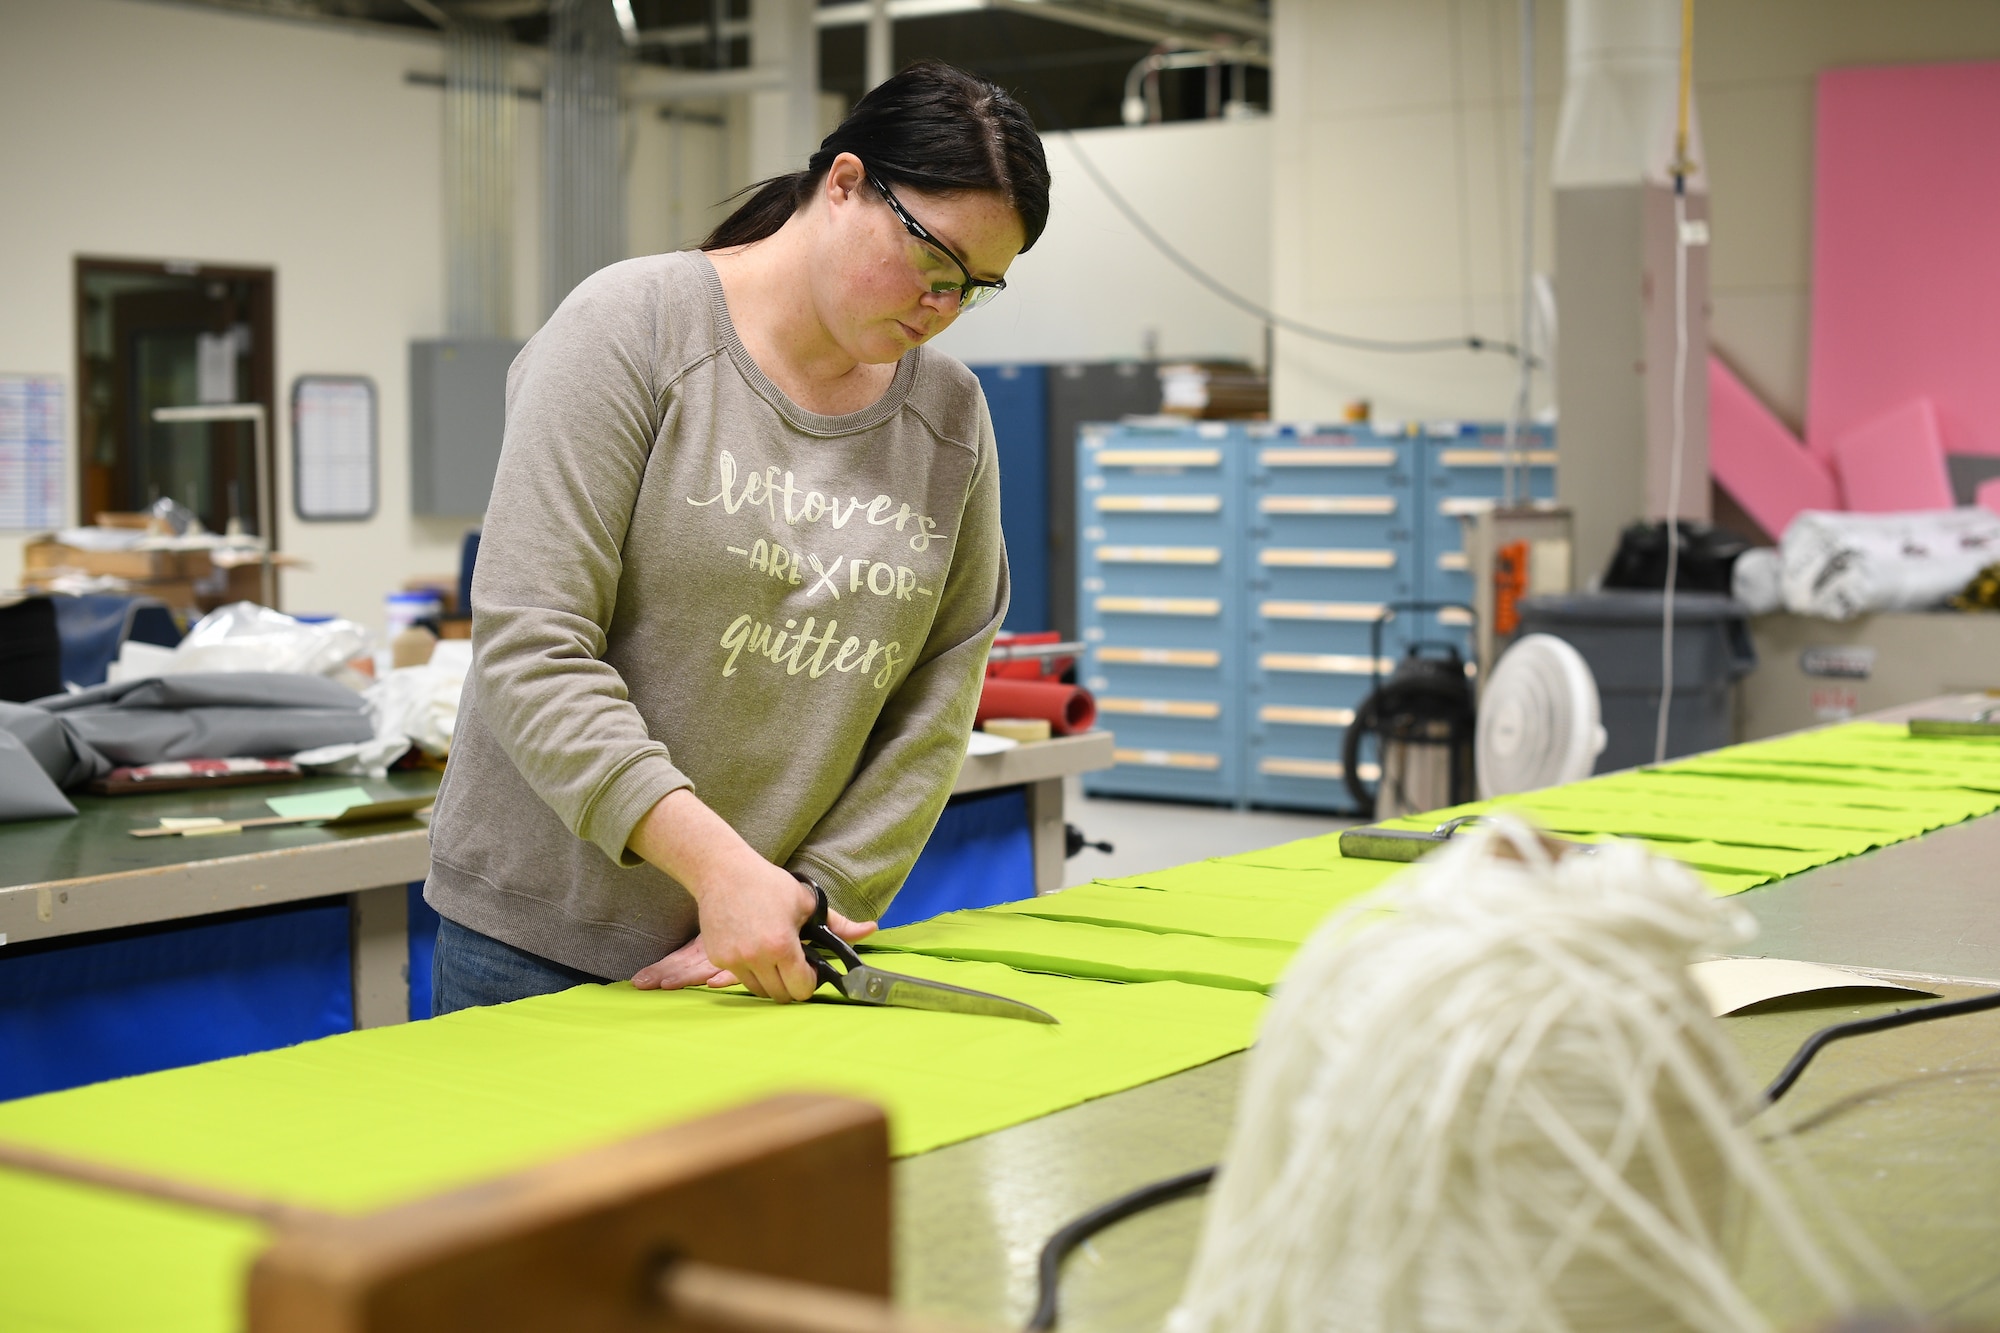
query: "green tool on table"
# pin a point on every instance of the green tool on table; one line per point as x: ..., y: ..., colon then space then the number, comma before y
x: 1980, y: 724
x: 863, y: 984
x: 361, y: 812
x: 1374, y: 842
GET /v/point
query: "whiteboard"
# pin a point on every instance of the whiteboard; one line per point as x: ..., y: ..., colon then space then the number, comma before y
x: 333, y: 448
x: 31, y: 452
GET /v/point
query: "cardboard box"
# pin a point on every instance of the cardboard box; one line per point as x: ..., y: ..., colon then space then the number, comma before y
x: 42, y: 554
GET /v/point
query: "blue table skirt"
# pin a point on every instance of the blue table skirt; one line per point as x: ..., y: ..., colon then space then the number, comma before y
x: 114, y: 1003
x: 132, y: 1001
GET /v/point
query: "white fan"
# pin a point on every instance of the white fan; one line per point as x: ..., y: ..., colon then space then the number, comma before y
x: 1539, y: 719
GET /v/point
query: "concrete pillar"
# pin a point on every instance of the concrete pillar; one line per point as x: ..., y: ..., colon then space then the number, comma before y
x: 1615, y: 378
x: 784, y: 121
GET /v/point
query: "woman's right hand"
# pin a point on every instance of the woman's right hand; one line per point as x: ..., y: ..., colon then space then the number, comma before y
x: 750, y: 927
x: 750, y: 910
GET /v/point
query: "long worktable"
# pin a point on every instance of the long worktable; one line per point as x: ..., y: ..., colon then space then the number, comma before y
x: 1898, y: 1124
x: 84, y: 879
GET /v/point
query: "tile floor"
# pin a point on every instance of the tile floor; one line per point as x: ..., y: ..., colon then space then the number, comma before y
x: 1148, y: 835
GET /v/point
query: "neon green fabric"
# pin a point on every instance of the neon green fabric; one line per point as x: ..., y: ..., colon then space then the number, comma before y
x: 1237, y: 913
x: 1748, y: 814
x: 370, y: 1118
x: 1085, y: 949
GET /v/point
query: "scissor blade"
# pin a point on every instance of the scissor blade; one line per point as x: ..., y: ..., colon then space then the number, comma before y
x: 871, y: 985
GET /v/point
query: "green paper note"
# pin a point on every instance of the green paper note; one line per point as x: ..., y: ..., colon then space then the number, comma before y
x: 318, y: 804
x: 1085, y: 949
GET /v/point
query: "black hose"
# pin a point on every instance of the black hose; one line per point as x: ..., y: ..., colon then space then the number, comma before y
x: 1881, y: 1023
x: 1048, y: 1270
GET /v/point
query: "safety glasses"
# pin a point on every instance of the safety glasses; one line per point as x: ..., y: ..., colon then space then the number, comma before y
x: 972, y: 292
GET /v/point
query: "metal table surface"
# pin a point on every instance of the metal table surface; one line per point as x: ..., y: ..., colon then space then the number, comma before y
x: 66, y: 876
x: 1898, y: 1125
x: 1929, y: 907
x: 71, y: 876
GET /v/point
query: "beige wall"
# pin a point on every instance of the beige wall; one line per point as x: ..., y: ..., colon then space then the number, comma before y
x: 1094, y: 289
x: 158, y: 131
x: 1377, y: 229
x: 1394, y: 204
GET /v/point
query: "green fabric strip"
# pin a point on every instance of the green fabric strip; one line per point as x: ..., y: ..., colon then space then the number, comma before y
x: 1084, y: 949
x: 366, y: 1119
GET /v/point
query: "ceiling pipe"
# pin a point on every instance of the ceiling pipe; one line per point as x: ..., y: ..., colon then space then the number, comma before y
x: 430, y: 12
x: 1141, y: 105
x: 1058, y: 12
x: 1240, y: 28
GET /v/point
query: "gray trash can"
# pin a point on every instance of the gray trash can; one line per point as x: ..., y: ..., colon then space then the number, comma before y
x: 1618, y: 634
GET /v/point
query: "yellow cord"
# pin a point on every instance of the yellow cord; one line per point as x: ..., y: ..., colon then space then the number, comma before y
x: 1682, y: 167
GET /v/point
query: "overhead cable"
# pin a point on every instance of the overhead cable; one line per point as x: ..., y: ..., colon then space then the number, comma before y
x: 1464, y: 343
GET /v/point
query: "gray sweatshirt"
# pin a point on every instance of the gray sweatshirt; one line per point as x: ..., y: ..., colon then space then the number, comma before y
x: 686, y: 580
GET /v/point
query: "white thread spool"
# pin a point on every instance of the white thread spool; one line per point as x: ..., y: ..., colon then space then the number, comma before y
x: 1505, y: 1108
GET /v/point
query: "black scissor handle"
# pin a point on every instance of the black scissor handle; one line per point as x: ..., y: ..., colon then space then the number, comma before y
x: 820, y: 941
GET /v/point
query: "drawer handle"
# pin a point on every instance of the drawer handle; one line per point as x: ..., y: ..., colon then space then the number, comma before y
x: 1328, y: 504
x: 1159, y: 555
x: 1328, y: 664
x: 1158, y: 457
x: 1329, y: 769
x: 1160, y: 606
x: 1180, y: 657
x: 1327, y: 457
x: 1160, y: 707
x: 1361, y: 611
x: 1298, y: 715
x: 1207, y: 763
x: 1496, y: 457
x: 1159, y: 504
x: 1305, y: 557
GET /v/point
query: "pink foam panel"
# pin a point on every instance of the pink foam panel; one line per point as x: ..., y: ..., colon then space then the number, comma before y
x: 1988, y: 495
x: 1906, y: 267
x: 1894, y: 463
x: 1757, y: 460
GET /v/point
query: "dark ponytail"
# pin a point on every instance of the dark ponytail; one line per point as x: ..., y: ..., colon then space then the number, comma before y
x: 932, y: 128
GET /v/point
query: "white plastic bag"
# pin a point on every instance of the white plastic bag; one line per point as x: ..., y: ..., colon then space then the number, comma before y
x: 410, y: 706
x: 419, y: 702
x: 1839, y: 566
x: 244, y: 636
x: 1757, y: 580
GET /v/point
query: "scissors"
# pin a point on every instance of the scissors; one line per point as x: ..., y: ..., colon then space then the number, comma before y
x: 863, y: 984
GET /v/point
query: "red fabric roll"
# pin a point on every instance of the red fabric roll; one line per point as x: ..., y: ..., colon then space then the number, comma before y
x: 1068, y: 708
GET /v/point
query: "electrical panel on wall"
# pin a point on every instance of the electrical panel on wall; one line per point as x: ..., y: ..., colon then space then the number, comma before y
x: 458, y: 411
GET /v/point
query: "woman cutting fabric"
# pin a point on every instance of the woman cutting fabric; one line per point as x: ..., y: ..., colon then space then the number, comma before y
x: 739, y: 574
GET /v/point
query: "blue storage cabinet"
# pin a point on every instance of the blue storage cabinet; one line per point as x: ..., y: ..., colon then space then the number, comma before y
x: 1463, y: 468
x: 1018, y: 399
x: 1160, y: 604
x: 1330, y: 545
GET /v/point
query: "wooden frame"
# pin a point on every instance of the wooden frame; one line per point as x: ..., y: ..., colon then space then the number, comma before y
x: 796, y: 1187
x: 767, y: 1218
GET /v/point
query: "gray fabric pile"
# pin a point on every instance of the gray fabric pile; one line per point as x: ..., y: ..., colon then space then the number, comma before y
x: 59, y: 743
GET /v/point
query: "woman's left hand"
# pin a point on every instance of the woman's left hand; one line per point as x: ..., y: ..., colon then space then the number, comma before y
x: 685, y: 966
x: 689, y: 965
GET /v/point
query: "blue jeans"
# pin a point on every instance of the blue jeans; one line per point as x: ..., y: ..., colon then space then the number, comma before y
x: 469, y: 969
